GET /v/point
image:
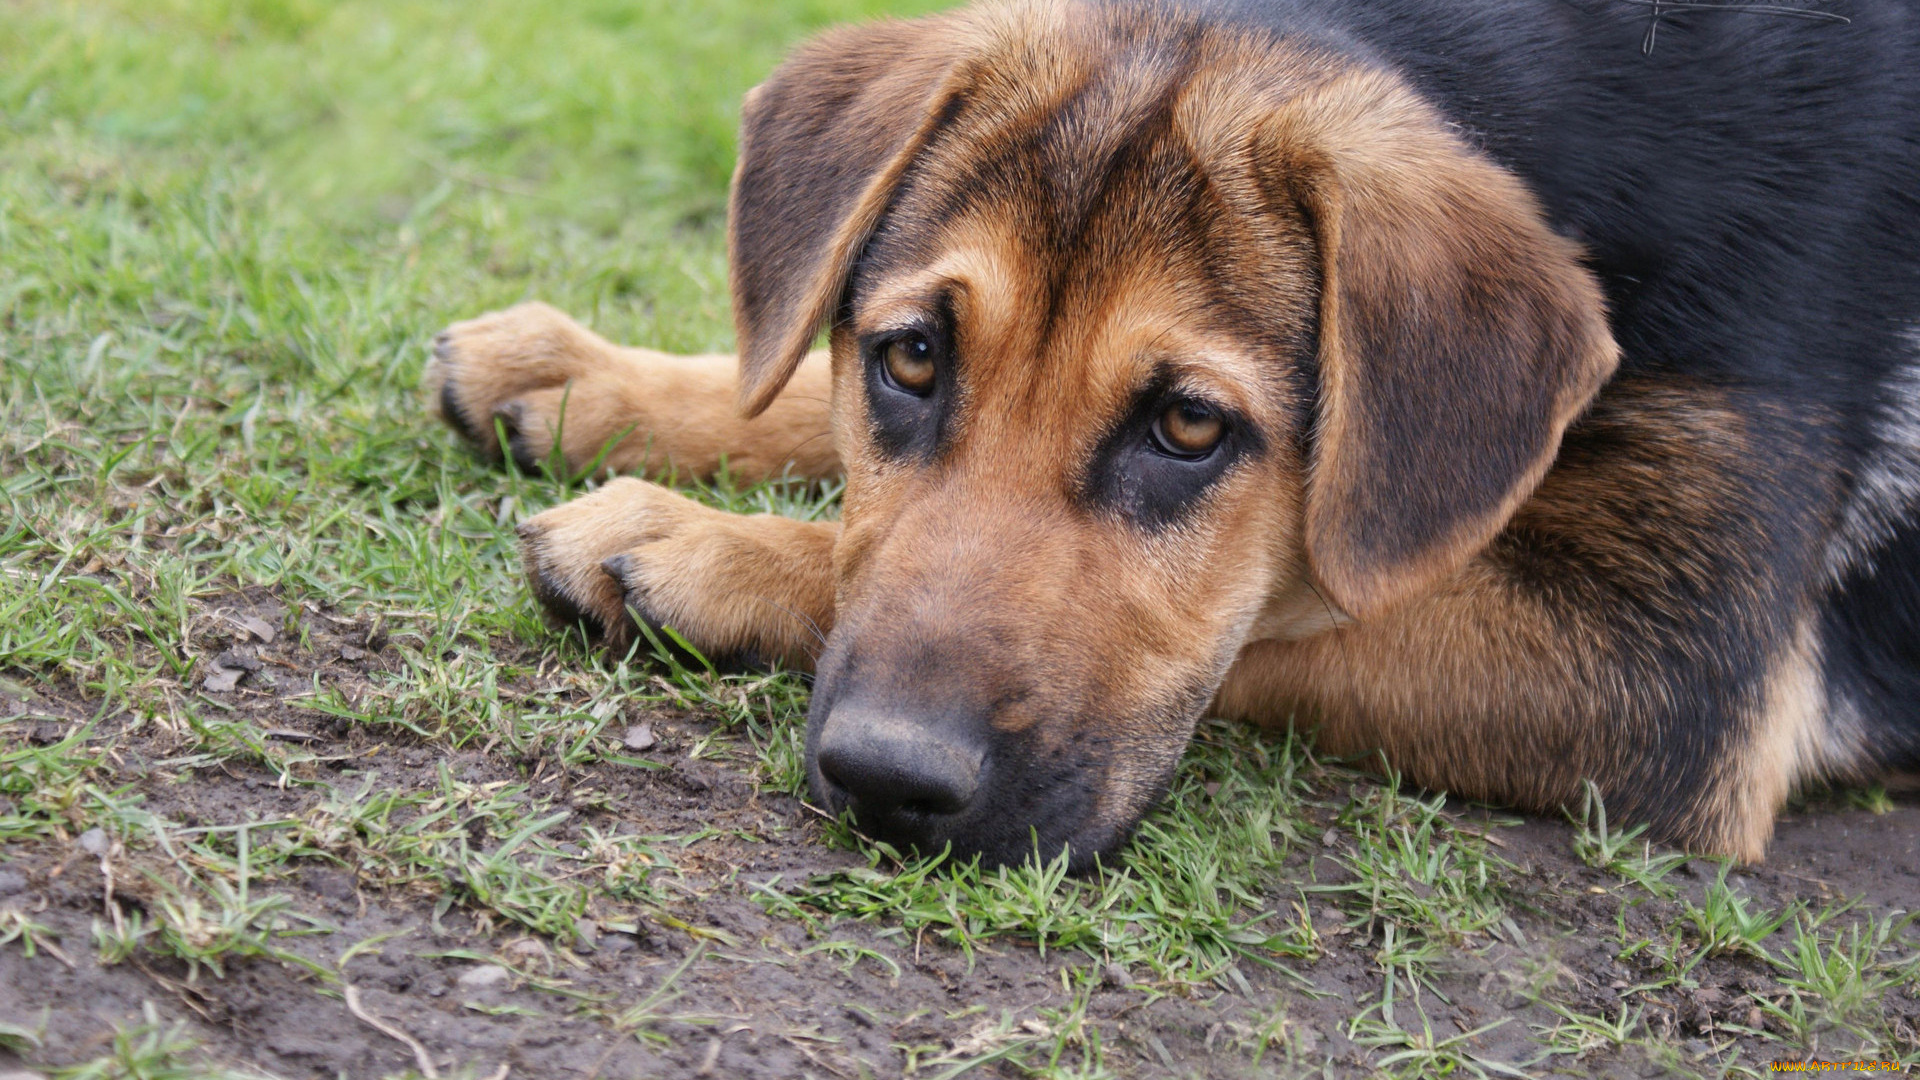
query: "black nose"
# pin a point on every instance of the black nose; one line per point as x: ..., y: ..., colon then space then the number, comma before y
x: 889, y: 765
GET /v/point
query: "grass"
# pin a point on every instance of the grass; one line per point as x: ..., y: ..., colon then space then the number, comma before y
x: 151, y: 1049
x: 1189, y: 903
x: 1727, y: 922
x: 227, y: 230
x: 1612, y: 850
x: 1838, y: 974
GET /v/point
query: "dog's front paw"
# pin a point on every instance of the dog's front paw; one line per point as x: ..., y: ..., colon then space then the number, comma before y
x: 631, y: 549
x: 527, y: 371
x: 743, y: 590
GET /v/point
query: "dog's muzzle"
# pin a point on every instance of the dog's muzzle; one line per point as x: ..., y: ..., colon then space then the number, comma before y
x: 939, y: 778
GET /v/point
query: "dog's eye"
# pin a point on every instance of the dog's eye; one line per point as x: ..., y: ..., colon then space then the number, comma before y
x: 908, y: 363
x: 1188, y: 429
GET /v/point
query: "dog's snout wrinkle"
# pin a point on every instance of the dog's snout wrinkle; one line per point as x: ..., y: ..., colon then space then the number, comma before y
x: 888, y: 763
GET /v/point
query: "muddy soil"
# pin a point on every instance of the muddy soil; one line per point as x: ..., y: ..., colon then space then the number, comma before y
x: 731, y: 991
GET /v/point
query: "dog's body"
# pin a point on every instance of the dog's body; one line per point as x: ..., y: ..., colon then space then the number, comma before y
x: 1462, y: 377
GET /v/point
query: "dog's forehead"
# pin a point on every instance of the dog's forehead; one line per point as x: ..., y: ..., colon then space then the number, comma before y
x: 1078, y: 219
x: 1048, y: 135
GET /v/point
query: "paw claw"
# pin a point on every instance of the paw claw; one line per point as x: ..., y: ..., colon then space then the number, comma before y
x: 554, y: 594
x: 451, y: 412
x: 512, y: 419
x: 597, y: 560
x: 565, y: 610
x: 512, y: 368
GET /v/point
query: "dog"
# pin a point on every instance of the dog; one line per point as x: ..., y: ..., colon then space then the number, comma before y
x: 1526, y: 392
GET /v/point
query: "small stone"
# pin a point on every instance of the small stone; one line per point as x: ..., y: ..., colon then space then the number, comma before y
x: 349, y: 652
x: 238, y: 658
x: 640, y: 737
x: 586, y: 935
x: 526, y: 949
x: 483, y: 976
x: 1116, y: 976
x: 1212, y: 788
x: 12, y: 882
x: 258, y: 627
x: 222, y: 680
x: 46, y: 733
x: 94, y: 841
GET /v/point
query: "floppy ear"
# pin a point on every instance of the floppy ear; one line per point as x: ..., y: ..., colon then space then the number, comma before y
x: 823, y: 143
x: 1459, y: 335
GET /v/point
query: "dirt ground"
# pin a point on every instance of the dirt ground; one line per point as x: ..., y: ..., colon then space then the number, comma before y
x: 711, y: 984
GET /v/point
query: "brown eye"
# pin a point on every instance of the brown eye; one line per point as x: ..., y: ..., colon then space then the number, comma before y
x: 1189, y: 429
x: 909, y: 363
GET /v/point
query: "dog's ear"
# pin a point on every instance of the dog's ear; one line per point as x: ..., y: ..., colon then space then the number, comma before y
x: 1459, y: 335
x: 823, y: 143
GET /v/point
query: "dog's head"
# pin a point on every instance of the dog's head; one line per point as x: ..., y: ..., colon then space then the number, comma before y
x: 1149, y: 340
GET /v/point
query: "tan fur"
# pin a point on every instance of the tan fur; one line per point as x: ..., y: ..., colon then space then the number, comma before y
x: 1785, y: 748
x: 649, y: 412
x: 731, y: 584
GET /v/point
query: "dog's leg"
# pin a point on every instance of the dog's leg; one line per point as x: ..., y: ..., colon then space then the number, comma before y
x: 545, y: 378
x: 1521, y: 706
x: 747, y: 588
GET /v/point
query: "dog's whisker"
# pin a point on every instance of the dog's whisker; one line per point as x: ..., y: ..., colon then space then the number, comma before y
x: 794, y: 451
x: 805, y: 621
x: 1332, y: 619
x: 1669, y: 6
